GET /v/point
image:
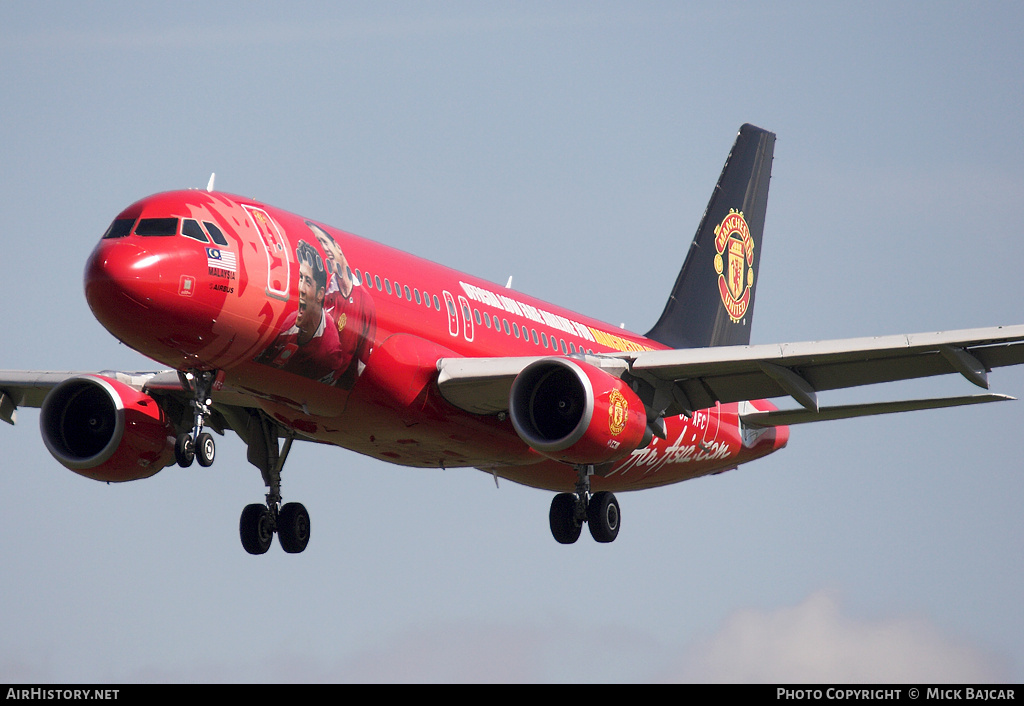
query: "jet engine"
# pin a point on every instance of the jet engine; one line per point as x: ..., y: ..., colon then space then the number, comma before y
x: 105, y: 430
x: 576, y: 413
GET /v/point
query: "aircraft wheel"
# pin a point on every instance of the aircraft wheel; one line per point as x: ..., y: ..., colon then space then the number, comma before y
x: 293, y: 527
x: 205, y: 450
x: 603, y: 516
x: 184, y: 450
x: 256, y: 529
x: 562, y: 517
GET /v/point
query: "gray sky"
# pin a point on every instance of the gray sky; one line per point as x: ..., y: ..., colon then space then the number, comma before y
x: 573, y: 146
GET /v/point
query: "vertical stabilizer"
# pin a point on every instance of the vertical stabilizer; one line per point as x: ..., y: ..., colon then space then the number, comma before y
x: 712, y: 302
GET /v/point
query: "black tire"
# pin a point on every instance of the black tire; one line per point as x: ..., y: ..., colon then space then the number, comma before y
x: 184, y: 450
x: 603, y: 517
x: 293, y: 527
x: 205, y: 450
x: 256, y: 529
x: 564, y: 527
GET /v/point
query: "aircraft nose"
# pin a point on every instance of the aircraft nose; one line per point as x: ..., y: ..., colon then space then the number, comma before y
x: 120, y: 274
x: 121, y: 280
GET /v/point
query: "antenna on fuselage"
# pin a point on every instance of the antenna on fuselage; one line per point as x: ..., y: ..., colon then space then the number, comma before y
x: 209, y: 184
x: 508, y: 285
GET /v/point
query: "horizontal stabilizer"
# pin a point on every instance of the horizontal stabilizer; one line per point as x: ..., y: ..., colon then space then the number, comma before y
x: 783, y: 417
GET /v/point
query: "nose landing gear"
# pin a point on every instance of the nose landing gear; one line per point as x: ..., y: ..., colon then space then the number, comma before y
x: 197, y: 445
x: 259, y: 522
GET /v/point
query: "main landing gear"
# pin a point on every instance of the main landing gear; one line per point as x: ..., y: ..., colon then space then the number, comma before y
x: 570, y: 510
x: 197, y: 445
x: 259, y: 523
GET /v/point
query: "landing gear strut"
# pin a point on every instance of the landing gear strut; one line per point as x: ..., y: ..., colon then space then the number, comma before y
x: 197, y: 445
x: 259, y: 523
x: 570, y: 510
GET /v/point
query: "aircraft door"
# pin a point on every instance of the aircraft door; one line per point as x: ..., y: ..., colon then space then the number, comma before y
x: 278, y: 263
x: 711, y: 419
x: 467, y: 319
x: 453, y: 314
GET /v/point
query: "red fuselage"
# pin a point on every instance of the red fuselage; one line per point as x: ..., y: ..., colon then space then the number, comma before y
x: 210, y: 281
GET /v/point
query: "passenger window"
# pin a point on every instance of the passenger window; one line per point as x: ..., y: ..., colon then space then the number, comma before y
x: 417, y: 293
x: 376, y: 282
x: 215, y: 233
x: 437, y: 303
x: 191, y: 229
x: 408, y: 294
x: 387, y: 285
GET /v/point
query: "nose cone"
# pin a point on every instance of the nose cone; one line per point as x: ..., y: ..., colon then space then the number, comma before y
x: 147, y: 293
x: 128, y: 289
x: 121, y: 280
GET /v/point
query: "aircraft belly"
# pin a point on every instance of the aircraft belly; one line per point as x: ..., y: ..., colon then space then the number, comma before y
x: 422, y: 437
x: 711, y: 441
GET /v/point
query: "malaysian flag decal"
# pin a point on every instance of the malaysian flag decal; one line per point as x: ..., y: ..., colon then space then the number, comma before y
x: 221, y: 259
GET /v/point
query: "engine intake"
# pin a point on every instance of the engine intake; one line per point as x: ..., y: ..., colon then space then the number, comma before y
x: 105, y: 430
x: 573, y: 412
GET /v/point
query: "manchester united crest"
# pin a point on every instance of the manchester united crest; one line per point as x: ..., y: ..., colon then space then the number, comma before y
x: 618, y: 412
x: 734, y: 264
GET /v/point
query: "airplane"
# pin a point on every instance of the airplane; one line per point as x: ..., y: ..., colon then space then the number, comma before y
x: 280, y: 328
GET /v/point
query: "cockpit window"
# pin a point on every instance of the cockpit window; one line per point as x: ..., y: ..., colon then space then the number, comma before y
x: 215, y: 233
x: 157, y: 226
x: 119, y: 228
x: 192, y: 229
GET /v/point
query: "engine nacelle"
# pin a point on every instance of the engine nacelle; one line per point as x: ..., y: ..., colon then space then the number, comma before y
x: 573, y: 412
x: 105, y: 430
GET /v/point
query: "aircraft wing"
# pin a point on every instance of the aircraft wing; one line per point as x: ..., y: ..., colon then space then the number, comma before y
x: 684, y: 380
x: 28, y: 388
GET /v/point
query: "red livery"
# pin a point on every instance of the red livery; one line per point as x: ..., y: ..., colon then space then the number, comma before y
x: 280, y: 328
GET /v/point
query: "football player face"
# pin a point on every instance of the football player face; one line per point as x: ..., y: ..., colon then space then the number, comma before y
x: 330, y: 248
x: 336, y: 262
x: 310, y: 299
